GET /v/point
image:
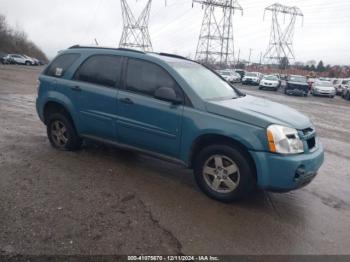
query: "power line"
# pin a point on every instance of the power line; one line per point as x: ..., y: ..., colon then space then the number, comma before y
x: 135, y: 32
x: 215, y: 44
x: 281, y: 39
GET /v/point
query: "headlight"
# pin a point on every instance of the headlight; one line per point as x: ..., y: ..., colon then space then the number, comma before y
x: 284, y: 140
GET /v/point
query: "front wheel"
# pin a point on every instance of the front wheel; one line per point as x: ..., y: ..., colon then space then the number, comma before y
x: 61, y: 133
x: 224, y: 173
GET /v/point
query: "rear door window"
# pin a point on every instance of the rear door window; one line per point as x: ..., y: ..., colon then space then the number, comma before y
x: 104, y: 70
x: 60, y: 65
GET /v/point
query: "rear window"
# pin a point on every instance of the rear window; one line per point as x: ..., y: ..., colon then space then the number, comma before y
x: 60, y: 65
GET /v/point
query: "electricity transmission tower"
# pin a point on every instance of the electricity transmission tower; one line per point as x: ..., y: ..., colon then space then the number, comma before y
x: 135, y: 32
x: 281, y: 38
x: 215, y: 44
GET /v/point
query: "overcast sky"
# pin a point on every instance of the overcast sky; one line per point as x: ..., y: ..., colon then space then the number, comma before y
x: 57, y: 24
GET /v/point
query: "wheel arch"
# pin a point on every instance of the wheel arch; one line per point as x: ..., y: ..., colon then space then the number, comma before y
x: 56, y: 107
x: 211, y: 139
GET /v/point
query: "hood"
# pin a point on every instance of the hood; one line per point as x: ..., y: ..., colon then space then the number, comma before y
x: 297, y: 83
x: 324, y: 88
x: 270, y: 81
x: 259, y: 112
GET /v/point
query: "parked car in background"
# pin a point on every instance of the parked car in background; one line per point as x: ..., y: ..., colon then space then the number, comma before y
x: 346, y: 93
x: 18, y: 59
x: 233, y: 142
x: 235, y: 77
x: 241, y: 72
x: 270, y: 82
x: 323, y: 88
x: 229, y: 76
x: 252, y: 78
x: 340, y: 85
x: 296, y: 85
x: 7, y: 59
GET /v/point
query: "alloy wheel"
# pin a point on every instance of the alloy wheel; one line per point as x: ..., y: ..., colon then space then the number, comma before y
x: 59, y: 133
x: 221, y: 174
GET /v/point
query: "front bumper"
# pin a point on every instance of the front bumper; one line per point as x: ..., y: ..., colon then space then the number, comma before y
x: 250, y: 81
x: 268, y: 86
x: 282, y: 173
x: 322, y: 93
x: 296, y: 91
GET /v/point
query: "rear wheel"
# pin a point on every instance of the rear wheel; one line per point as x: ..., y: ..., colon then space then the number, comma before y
x: 61, y: 133
x: 224, y: 173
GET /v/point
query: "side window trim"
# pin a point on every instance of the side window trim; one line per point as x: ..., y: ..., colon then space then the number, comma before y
x: 185, y: 99
x: 118, y: 85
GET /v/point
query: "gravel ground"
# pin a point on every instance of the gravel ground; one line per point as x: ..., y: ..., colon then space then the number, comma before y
x: 103, y: 200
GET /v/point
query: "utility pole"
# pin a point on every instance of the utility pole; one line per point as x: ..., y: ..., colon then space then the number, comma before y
x: 250, y: 54
x: 135, y: 32
x: 281, y: 38
x: 215, y: 44
x: 239, y: 53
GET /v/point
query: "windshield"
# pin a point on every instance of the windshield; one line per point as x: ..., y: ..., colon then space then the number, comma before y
x: 251, y: 74
x: 271, y: 78
x: 204, y: 82
x: 324, y: 83
x: 225, y: 73
x: 300, y: 79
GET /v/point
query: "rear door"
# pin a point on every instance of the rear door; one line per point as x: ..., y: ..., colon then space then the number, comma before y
x: 97, y: 81
x: 144, y: 121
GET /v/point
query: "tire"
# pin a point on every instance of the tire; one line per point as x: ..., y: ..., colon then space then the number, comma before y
x: 233, y: 179
x: 260, y: 88
x: 27, y: 63
x: 61, y: 133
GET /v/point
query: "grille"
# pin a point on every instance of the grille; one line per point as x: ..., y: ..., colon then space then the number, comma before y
x: 311, y: 143
x: 308, y: 131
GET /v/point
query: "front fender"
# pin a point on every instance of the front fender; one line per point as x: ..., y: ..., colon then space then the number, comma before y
x: 198, y: 123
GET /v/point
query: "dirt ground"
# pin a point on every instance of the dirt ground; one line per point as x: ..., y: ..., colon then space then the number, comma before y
x: 103, y: 200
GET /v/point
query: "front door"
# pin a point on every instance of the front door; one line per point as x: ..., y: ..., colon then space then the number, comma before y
x: 144, y: 121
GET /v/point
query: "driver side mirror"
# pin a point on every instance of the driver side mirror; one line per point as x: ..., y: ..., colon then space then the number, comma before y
x: 167, y: 94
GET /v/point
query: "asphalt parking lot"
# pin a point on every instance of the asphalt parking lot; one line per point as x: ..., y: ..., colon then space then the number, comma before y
x: 103, y: 200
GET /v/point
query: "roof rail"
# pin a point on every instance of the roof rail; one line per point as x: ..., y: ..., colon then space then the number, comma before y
x: 173, y: 55
x: 108, y: 48
x: 179, y: 57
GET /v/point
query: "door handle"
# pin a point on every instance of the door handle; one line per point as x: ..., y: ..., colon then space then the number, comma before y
x: 126, y: 101
x: 76, y: 88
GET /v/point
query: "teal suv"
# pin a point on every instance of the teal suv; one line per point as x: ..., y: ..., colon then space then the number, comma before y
x: 178, y: 110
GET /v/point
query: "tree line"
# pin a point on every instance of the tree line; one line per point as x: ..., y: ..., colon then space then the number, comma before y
x: 16, y: 41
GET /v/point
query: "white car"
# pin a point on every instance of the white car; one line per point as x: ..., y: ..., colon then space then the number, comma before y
x: 271, y: 82
x: 323, y: 88
x: 19, y: 59
x: 340, y: 85
x: 229, y: 76
x: 252, y: 78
